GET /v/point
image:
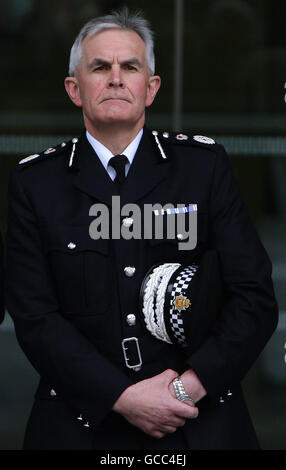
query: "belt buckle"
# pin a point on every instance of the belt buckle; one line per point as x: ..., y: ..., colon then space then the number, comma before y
x: 135, y: 367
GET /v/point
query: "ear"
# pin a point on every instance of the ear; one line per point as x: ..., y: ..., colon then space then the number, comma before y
x: 153, y: 87
x: 72, y: 89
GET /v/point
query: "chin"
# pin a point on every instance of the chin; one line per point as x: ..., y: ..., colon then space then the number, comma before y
x: 118, y: 118
x: 117, y: 110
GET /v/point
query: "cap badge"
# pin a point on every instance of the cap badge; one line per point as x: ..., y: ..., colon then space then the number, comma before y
x: 181, y: 303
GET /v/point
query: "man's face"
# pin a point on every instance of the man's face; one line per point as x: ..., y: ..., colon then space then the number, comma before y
x: 112, y: 84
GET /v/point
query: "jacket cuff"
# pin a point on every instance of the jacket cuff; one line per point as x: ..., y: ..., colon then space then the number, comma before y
x: 212, y: 371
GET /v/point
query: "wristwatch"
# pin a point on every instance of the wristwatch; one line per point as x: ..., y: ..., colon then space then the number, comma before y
x: 180, y: 391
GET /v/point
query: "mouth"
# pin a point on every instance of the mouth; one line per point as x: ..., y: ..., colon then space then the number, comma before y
x: 116, y: 98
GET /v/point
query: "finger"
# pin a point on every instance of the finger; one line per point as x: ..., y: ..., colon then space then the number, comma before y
x: 189, y: 403
x: 169, y: 429
x: 170, y: 375
x: 175, y: 421
x: 178, y: 422
x: 157, y: 434
x: 194, y: 412
x: 186, y: 411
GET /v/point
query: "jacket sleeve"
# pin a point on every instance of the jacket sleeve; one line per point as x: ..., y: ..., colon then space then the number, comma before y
x: 249, y: 314
x: 56, y: 349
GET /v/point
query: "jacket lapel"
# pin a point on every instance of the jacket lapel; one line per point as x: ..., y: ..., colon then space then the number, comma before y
x: 91, y: 177
x: 146, y: 172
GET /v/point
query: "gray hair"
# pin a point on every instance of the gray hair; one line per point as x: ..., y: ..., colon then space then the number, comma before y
x: 120, y: 20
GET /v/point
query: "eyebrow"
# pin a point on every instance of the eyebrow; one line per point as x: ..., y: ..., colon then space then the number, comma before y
x: 100, y: 61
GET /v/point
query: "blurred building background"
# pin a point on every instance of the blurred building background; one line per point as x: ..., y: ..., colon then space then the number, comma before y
x: 231, y: 86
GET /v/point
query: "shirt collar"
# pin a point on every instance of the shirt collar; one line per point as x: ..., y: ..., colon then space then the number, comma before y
x: 104, y: 154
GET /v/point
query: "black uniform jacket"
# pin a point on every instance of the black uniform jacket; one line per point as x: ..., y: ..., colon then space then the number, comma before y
x: 69, y: 296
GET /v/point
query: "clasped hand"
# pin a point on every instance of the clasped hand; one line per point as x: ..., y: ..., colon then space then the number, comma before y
x: 152, y: 406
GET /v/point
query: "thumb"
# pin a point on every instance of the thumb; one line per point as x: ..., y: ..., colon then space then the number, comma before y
x: 170, y: 375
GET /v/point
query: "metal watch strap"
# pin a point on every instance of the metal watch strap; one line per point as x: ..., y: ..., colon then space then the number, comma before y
x: 180, y: 391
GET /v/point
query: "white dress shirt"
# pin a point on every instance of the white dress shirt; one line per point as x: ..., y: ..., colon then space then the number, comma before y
x: 105, y: 155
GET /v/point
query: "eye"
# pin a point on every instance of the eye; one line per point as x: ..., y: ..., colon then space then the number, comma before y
x: 100, y: 68
x: 130, y: 67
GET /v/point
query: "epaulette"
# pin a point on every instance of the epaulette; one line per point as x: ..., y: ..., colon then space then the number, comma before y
x: 162, y: 137
x: 48, y: 153
x: 180, y: 138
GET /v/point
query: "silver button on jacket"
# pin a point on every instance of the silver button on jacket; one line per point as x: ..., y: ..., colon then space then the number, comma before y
x: 129, y: 271
x: 131, y: 319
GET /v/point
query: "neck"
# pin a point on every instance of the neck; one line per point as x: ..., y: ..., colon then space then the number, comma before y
x: 116, y: 139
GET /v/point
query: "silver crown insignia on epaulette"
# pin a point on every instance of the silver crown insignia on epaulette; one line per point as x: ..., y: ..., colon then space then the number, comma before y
x: 203, y: 139
x: 36, y: 155
x: 30, y: 157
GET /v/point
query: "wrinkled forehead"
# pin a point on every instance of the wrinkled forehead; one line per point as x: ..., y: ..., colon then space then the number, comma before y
x: 114, y: 44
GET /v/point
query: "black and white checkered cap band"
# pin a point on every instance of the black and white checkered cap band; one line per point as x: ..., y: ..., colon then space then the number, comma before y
x: 180, y: 285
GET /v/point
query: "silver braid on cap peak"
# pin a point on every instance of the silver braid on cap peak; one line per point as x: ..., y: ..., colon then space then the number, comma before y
x: 156, y: 286
x: 160, y: 298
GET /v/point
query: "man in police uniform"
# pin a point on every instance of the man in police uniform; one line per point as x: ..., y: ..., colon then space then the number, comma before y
x: 75, y: 300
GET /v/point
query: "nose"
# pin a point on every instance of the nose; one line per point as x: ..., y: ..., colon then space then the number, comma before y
x: 115, y: 79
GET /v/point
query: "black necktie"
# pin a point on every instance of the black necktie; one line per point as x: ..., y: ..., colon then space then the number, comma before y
x: 118, y: 162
